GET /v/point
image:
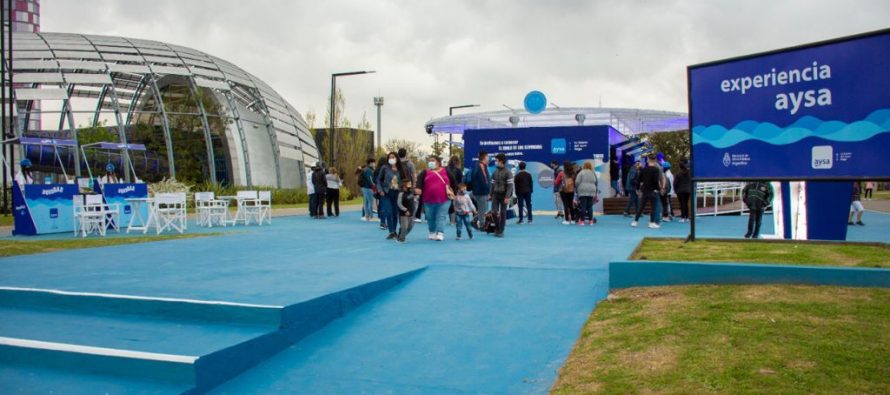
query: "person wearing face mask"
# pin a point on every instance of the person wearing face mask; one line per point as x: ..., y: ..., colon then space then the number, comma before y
x: 388, y: 183
x: 501, y: 192
x: 436, y: 188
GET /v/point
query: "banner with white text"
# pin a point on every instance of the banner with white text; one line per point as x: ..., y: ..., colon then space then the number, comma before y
x: 820, y: 111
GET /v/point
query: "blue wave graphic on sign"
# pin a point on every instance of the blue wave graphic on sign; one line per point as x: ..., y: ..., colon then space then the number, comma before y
x: 719, y: 137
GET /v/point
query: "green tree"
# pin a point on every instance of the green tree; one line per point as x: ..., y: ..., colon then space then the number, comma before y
x: 674, y: 145
x: 439, y: 149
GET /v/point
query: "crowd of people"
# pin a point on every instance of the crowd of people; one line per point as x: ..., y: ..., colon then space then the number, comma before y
x: 479, y: 198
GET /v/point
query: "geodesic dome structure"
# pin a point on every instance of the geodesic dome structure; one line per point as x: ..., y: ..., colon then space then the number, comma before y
x: 200, y: 117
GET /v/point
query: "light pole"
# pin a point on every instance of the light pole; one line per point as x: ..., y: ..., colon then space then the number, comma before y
x: 334, y: 106
x: 378, y: 101
x: 450, y: 135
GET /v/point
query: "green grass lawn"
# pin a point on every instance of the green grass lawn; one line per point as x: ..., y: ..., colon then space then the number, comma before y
x: 25, y: 247
x: 734, y: 339
x: 705, y: 250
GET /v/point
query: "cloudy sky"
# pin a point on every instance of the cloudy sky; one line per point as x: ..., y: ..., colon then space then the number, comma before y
x: 430, y: 55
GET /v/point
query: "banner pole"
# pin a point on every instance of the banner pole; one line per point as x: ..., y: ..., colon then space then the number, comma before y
x: 694, y: 198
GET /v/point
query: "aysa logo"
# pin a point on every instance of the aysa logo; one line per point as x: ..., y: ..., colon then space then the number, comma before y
x: 822, y: 157
x: 727, y: 160
x: 51, y: 191
x: 558, y: 146
x: 126, y: 189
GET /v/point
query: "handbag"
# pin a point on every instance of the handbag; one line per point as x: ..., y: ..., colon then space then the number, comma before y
x: 448, y: 191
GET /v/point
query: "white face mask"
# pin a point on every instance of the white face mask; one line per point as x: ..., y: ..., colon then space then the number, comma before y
x: 392, y: 161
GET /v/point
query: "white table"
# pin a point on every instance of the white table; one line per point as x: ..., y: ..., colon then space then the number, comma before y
x: 239, y: 212
x: 136, y: 220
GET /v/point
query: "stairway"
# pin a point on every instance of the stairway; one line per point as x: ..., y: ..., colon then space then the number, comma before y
x: 52, y: 339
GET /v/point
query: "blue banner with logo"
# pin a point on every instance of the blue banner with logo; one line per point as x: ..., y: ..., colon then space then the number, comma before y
x: 43, y: 209
x: 117, y: 194
x: 820, y: 111
x: 537, y: 147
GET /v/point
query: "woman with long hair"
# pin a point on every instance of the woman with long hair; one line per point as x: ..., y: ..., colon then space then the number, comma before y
x: 566, y: 182
x: 455, y: 172
x: 585, y: 185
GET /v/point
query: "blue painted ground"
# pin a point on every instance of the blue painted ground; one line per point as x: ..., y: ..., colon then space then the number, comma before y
x: 124, y: 332
x: 489, y: 315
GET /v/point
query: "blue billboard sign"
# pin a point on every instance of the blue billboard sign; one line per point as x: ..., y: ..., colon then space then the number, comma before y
x: 820, y: 111
x: 538, y: 146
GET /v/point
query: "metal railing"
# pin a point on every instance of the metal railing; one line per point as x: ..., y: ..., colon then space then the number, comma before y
x: 725, y: 198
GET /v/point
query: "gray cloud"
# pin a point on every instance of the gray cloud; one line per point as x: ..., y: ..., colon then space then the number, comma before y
x: 430, y: 55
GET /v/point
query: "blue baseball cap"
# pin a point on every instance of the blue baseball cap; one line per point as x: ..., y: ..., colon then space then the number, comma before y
x: 25, y: 162
x: 109, y: 167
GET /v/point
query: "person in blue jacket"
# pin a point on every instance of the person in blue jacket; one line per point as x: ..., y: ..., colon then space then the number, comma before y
x: 480, y: 185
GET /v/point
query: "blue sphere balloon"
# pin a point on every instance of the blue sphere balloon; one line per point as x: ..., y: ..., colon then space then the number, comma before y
x: 535, y: 102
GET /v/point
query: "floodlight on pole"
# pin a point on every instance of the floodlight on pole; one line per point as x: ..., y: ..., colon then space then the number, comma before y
x: 333, y: 127
x: 378, y: 101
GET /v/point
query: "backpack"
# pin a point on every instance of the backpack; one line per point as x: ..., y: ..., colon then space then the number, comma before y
x: 568, y: 184
x: 490, y: 225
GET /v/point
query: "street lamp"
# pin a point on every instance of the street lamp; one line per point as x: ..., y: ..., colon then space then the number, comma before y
x: 450, y: 135
x: 334, y: 105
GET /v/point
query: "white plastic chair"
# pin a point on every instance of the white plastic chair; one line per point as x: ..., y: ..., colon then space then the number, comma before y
x: 92, y: 215
x: 264, y: 206
x: 211, y: 210
x: 247, y: 206
x: 170, y: 211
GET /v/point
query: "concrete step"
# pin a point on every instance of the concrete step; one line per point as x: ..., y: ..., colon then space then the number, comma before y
x: 192, y: 343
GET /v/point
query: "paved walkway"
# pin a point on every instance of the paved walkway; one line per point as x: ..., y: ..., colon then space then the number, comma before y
x: 487, y: 316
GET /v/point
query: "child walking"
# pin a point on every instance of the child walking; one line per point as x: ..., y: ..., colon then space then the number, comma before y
x: 463, y: 210
x: 407, y: 202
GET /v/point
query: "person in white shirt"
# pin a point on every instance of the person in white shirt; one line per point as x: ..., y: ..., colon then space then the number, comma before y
x: 23, y: 176
x: 310, y: 190
x: 110, y: 176
x: 332, y: 194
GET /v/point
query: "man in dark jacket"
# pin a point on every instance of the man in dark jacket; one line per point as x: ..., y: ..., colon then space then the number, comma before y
x: 757, y: 196
x: 501, y: 192
x: 524, y: 188
x: 480, y: 184
x: 630, y: 186
x: 683, y: 188
x: 650, y: 184
x: 556, y: 198
x: 613, y: 175
x: 320, y: 182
